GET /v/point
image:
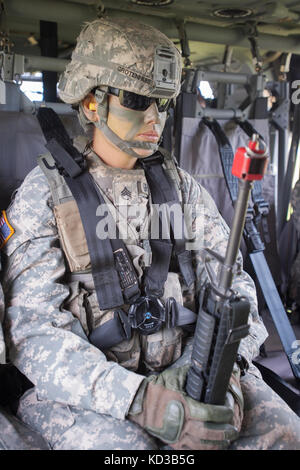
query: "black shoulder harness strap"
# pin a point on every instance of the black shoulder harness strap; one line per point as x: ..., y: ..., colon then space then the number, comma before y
x: 163, y: 192
x: 114, y: 276
x: 261, y: 206
x: 282, y: 388
x: 256, y: 247
x: 71, y: 164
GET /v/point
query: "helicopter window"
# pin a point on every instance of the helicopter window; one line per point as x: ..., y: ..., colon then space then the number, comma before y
x: 32, y: 86
x: 206, y: 90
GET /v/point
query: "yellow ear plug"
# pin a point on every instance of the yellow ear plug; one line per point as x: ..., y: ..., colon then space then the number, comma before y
x: 92, y: 106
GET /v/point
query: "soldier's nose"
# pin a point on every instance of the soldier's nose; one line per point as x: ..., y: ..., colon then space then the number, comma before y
x: 152, y: 115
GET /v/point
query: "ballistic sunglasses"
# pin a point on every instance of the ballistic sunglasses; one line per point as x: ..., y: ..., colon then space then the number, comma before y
x: 138, y: 102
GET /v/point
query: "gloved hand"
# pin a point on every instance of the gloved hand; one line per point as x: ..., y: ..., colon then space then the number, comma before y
x: 235, y: 397
x: 165, y: 411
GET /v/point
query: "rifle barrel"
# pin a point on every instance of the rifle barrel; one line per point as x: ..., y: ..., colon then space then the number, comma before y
x: 235, y: 236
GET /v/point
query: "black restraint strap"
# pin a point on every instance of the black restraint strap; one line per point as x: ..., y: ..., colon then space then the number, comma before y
x: 112, y: 332
x: 261, y: 206
x: 71, y: 164
x: 105, y: 275
x: 113, y: 274
x: 226, y: 155
x: 252, y: 236
x: 163, y: 192
x: 260, y: 209
x: 281, y: 387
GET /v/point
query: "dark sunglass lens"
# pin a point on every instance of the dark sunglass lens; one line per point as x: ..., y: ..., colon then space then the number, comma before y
x: 134, y: 101
x: 141, y: 103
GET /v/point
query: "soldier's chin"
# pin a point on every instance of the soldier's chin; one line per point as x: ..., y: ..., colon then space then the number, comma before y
x: 143, y: 153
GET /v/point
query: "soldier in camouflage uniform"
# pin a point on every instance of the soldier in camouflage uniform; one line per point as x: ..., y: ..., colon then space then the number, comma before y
x: 129, y: 396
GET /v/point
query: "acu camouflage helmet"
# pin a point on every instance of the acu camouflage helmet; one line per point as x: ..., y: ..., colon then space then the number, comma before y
x: 122, y: 54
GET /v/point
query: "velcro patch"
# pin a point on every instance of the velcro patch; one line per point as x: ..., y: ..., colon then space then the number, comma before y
x: 6, y: 230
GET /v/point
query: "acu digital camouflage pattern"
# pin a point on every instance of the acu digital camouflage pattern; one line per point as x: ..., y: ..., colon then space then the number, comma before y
x: 116, y: 53
x: 15, y: 435
x: 127, y: 193
x: 80, y: 398
x: 294, y: 286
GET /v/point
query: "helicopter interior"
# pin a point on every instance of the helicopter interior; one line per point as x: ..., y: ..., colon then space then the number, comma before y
x: 241, y: 74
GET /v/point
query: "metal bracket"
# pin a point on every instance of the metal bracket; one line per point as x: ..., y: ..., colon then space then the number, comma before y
x: 280, y: 115
x: 254, y: 85
x: 252, y: 35
x: 184, y: 42
x: 284, y: 66
x: 2, y: 92
x: 12, y: 67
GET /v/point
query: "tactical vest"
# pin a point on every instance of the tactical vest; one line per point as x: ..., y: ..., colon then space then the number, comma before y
x: 153, y: 352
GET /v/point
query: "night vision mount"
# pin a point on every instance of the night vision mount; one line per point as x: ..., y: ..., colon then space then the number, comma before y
x: 164, y: 74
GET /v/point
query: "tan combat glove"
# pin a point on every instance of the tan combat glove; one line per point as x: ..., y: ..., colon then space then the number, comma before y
x: 165, y: 411
x: 235, y: 397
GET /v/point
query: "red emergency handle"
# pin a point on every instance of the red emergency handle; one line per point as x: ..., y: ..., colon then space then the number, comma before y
x: 250, y: 163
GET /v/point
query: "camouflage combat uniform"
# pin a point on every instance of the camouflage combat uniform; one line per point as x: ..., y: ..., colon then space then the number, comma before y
x: 81, y: 395
x: 14, y: 435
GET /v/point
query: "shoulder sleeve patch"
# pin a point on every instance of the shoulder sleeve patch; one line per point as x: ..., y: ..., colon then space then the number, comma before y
x: 6, y: 230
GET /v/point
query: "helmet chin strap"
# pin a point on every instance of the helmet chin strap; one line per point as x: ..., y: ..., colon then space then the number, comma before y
x: 124, y: 145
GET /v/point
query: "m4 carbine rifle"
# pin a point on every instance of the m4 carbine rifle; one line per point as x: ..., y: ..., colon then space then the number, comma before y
x: 223, y: 314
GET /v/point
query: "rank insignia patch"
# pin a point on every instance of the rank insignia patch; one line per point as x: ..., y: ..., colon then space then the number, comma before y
x: 126, y: 194
x: 6, y: 230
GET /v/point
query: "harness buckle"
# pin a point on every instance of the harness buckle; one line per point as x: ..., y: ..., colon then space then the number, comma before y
x: 147, y: 314
x: 124, y: 323
x: 262, y: 207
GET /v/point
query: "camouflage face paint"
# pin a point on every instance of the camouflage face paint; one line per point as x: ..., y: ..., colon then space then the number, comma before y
x: 127, y: 123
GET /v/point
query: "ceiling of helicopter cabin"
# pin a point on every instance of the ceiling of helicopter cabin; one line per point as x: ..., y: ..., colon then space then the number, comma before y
x: 209, y: 25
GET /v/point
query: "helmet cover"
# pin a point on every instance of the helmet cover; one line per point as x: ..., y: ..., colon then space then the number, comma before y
x: 121, y: 54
